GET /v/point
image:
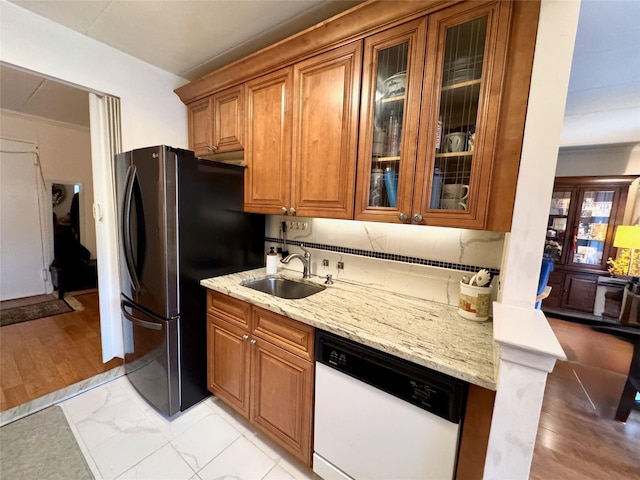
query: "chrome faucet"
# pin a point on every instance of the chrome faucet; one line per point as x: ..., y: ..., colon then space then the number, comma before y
x: 305, y: 259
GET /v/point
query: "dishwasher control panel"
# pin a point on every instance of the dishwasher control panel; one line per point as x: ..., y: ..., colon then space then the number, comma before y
x: 425, y: 388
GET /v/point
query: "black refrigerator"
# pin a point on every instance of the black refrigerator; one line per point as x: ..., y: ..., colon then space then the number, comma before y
x: 180, y: 220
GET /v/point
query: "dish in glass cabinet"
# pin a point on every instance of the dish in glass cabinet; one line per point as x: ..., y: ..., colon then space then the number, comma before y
x: 395, y: 85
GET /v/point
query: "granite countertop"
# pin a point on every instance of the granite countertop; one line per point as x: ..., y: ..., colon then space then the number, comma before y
x: 426, y: 333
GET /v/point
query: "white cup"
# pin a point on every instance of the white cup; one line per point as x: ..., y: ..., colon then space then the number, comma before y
x: 453, y: 204
x: 455, y: 142
x: 455, y: 191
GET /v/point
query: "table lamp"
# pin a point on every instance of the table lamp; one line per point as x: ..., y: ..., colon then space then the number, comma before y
x: 627, y: 236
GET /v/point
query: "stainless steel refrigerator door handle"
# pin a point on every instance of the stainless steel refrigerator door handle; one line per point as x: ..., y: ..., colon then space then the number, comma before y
x: 136, y: 320
x: 126, y: 227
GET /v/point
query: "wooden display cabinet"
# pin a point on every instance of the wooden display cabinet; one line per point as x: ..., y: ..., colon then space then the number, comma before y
x: 436, y: 181
x: 583, y: 214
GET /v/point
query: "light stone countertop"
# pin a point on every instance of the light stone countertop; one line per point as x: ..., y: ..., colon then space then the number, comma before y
x: 426, y: 333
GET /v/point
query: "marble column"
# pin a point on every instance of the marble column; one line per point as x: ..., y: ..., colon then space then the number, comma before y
x: 527, y: 347
x: 528, y: 351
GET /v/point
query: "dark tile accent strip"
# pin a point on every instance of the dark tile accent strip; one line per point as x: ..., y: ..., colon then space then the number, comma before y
x: 386, y: 256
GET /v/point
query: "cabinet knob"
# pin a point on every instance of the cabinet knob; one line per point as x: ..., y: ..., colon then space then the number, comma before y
x: 245, y: 338
x: 402, y: 217
x: 283, y: 210
x: 292, y: 211
x: 417, y: 218
x: 252, y: 342
x: 212, y: 148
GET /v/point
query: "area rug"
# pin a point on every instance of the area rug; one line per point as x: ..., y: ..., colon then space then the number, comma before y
x: 48, y: 308
x: 41, y: 446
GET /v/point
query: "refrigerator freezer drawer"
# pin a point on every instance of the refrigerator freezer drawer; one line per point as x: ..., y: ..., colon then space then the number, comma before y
x: 151, y: 357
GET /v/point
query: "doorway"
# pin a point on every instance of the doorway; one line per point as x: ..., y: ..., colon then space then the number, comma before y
x: 72, y: 145
x: 73, y: 267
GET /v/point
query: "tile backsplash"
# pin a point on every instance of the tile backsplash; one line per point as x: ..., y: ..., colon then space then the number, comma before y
x: 417, y: 260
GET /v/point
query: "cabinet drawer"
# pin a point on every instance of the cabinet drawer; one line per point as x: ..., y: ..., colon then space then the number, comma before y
x: 228, y: 308
x: 288, y: 334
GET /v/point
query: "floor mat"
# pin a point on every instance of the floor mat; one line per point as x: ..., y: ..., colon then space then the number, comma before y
x: 24, y: 313
x: 42, y: 446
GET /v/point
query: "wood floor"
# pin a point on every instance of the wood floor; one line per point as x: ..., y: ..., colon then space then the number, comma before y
x: 578, y: 437
x: 44, y: 355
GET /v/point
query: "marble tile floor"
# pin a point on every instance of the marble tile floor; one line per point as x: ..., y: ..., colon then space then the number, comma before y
x: 40, y: 403
x: 123, y: 438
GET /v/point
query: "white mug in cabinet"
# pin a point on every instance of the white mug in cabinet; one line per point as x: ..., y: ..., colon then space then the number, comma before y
x: 455, y: 191
x: 452, y: 204
x: 455, y: 142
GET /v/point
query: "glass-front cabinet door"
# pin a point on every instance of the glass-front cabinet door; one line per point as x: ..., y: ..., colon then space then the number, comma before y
x: 392, y: 75
x: 593, y: 228
x: 559, y: 224
x: 460, y: 114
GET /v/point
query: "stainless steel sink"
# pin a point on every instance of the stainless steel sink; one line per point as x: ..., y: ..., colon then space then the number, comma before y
x: 282, y: 287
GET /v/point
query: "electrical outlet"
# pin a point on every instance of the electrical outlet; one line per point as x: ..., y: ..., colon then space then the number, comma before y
x: 325, y: 262
x: 340, y: 265
x: 300, y: 226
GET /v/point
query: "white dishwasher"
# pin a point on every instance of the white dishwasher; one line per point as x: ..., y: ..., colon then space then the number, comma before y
x: 381, y: 417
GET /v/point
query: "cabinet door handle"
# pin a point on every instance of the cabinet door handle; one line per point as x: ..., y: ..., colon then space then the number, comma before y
x: 283, y: 210
x: 292, y: 211
x: 212, y: 148
x: 417, y: 218
x: 252, y: 342
x: 245, y: 337
x: 402, y: 217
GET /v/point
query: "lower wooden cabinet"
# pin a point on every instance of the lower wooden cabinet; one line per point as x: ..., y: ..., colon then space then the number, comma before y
x: 265, y: 371
x: 579, y: 292
x: 572, y: 291
x: 228, y: 363
x: 281, y: 394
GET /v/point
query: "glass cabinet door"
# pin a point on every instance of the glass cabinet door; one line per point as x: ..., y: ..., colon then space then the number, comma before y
x: 390, y: 113
x: 592, y: 228
x: 455, y: 138
x: 556, y: 239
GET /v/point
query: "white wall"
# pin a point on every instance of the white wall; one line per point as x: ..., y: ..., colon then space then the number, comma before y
x: 65, y: 156
x: 151, y: 113
x: 599, y: 160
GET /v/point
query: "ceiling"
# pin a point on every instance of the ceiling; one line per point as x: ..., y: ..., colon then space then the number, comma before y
x: 193, y: 37
x: 187, y: 37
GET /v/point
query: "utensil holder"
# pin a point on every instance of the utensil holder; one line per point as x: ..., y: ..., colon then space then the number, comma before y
x: 474, y: 302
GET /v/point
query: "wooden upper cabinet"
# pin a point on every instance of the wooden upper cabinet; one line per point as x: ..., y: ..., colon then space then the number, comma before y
x: 200, y: 130
x: 390, y: 111
x: 325, y: 124
x: 268, y: 143
x: 228, y: 120
x: 460, y: 127
x: 433, y: 134
x: 216, y: 123
x: 301, y: 137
